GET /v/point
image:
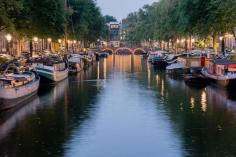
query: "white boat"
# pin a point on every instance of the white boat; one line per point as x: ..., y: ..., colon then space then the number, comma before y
x: 153, y: 56
x: 52, y: 69
x: 176, y: 69
x: 16, y: 88
x: 76, y: 63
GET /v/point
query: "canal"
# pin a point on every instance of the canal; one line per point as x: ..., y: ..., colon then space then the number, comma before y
x: 121, y: 107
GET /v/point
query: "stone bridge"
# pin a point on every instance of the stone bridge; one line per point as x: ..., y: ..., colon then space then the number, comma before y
x: 122, y: 50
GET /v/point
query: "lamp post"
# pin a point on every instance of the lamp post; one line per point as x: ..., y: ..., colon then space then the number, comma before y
x: 50, y: 44
x: 35, y: 39
x: 9, y: 38
x: 222, y: 44
x: 177, y: 45
x: 74, y: 45
x: 98, y: 42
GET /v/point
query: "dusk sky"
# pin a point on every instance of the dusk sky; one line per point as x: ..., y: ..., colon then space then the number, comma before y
x: 121, y: 8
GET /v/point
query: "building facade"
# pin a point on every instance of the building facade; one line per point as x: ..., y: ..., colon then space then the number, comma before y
x: 114, y: 31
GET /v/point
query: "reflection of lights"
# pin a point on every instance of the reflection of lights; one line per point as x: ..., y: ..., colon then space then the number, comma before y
x: 98, y: 71
x: 162, y: 88
x: 221, y: 38
x: 192, y: 102
x: 149, y: 75
x: 181, y: 106
x: 105, y: 68
x: 157, y: 79
x: 204, y: 101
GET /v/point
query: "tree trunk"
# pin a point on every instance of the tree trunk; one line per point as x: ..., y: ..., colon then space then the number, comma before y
x: 223, y: 46
x: 190, y: 43
x: 168, y: 45
x: 186, y: 45
x: 234, y: 34
x: 31, y: 48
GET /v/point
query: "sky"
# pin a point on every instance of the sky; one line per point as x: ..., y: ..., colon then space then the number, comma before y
x: 121, y: 8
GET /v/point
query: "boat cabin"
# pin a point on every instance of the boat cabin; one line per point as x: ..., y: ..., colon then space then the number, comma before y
x: 222, y: 67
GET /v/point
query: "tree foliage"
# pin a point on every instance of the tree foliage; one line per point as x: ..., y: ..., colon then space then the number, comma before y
x: 86, y: 22
x: 77, y: 19
x: 109, y: 18
x: 8, y: 11
x: 171, y: 19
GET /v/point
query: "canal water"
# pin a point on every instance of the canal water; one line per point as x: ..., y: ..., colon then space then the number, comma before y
x: 121, y: 107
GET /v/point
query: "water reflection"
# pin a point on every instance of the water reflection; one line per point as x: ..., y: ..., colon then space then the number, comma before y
x: 9, y: 119
x: 122, y: 106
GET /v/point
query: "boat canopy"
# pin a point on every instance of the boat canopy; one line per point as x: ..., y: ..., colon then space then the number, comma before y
x: 175, y: 66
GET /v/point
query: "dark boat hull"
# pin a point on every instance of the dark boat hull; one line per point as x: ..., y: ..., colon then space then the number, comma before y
x: 196, y: 80
x: 6, y: 104
x: 160, y: 64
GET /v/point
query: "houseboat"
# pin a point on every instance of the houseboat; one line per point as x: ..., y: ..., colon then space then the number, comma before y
x: 176, y: 69
x: 188, y: 62
x: 162, y: 59
x: 223, y: 72
x: 76, y: 63
x: 52, y: 68
x: 16, y: 87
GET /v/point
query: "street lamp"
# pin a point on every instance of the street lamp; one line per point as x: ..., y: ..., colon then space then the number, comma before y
x: 74, y: 45
x: 49, y: 40
x: 35, y: 39
x: 59, y: 41
x: 9, y: 38
x: 49, y: 43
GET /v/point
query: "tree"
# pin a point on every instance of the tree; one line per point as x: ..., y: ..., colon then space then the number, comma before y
x: 109, y: 18
x: 86, y: 22
x: 43, y: 18
x: 168, y: 20
x: 8, y: 11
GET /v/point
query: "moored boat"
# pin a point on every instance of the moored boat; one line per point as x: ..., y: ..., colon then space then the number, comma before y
x: 103, y: 54
x: 195, y: 78
x: 176, y: 69
x: 17, y: 87
x: 76, y: 63
x: 162, y: 59
x: 51, y: 68
x: 223, y: 72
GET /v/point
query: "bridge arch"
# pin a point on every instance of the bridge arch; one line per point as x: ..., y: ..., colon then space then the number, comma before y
x: 108, y: 50
x: 139, y: 51
x: 125, y: 50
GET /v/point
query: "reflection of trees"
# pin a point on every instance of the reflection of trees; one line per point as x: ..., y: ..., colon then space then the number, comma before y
x: 45, y: 130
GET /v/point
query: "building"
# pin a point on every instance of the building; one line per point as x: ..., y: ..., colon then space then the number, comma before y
x: 114, y: 31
